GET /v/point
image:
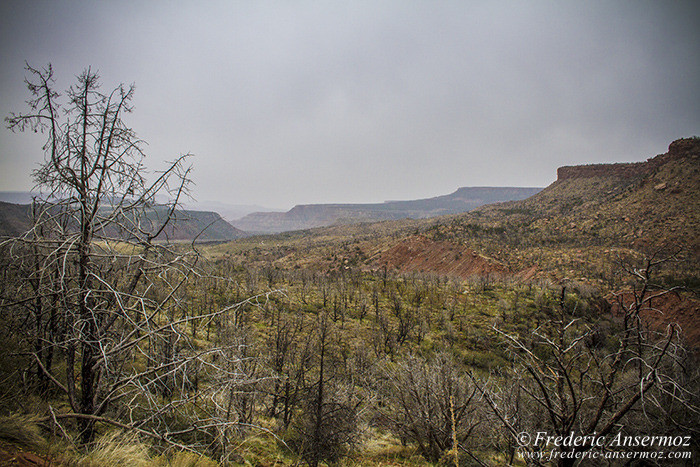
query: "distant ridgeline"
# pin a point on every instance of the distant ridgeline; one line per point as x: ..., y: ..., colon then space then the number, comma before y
x: 679, y: 149
x: 186, y: 225
x: 319, y: 215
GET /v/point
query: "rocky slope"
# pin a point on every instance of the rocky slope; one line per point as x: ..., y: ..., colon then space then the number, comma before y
x: 421, y: 254
x: 649, y: 204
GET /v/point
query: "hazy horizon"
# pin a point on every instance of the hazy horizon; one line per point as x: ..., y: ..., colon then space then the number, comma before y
x: 300, y: 103
x: 223, y: 208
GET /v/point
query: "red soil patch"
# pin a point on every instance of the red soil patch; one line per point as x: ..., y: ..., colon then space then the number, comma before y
x: 11, y: 455
x: 528, y: 274
x: 420, y: 254
x: 670, y: 308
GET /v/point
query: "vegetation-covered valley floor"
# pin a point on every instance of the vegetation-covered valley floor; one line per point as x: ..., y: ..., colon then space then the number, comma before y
x: 366, y: 367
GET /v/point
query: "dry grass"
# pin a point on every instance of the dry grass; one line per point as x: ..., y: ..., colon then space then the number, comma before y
x: 21, y: 431
x: 123, y: 448
x: 116, y: 448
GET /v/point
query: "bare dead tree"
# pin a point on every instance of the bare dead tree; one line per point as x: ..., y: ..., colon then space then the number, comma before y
x: 431, y: 403
x: 580, y: 386
x: 106, y: 290
x: 327, y: 427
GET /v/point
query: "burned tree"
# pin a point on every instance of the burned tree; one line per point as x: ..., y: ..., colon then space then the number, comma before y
x: 105, y: 286
x: 327, y: 426
x: 432, y: 403
x: 573, y: 380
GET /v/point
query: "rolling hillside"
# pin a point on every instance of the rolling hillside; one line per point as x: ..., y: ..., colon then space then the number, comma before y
x: 202, y: 225
x: 648, y: 205
x: 15, y: 219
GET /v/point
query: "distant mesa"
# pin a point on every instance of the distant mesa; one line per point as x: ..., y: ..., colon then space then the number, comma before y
x: 309, y: 216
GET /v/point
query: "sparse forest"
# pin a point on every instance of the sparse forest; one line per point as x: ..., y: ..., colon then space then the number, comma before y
x: 121, y: 348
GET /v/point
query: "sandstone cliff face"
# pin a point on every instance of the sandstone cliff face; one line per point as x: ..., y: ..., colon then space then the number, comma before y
x: 630, y: 170
x: 679, y: 149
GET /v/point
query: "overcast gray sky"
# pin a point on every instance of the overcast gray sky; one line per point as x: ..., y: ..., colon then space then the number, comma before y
x: 294, y: 102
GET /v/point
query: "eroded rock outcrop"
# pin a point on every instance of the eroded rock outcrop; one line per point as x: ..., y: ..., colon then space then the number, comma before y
x: 682, y: 148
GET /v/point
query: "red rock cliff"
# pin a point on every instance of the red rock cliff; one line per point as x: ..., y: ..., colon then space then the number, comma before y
x: 682, y: 148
